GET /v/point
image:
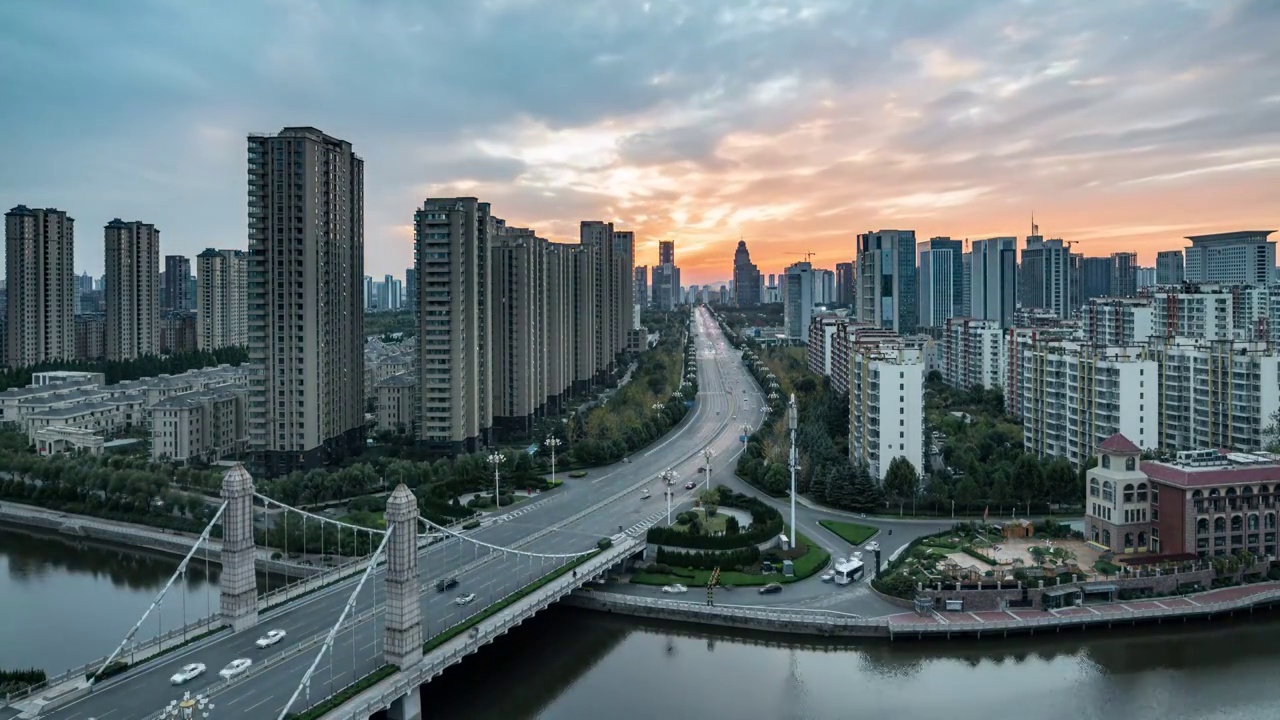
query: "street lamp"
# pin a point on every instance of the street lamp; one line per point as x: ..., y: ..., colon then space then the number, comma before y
x: 188, y: 707
x: 496, y: 460
x: 793, y: 422
x: 746, y: 431
x: 707, y: 454
x: 668, y: 477
x: 553, y: 442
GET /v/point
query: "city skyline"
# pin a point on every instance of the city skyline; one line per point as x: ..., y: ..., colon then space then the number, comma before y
x: 982, y: 115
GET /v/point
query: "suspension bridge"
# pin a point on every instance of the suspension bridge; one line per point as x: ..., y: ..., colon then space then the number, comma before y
x: 371, y: 613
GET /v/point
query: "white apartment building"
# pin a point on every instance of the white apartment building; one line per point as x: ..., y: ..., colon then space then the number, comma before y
x: 206, y: 425
x: 973, y: 353
x: 1244, y: 257
x: 1119, y: 321
x: 1212, y: 311
x: 886, y: 405
x: 1216, y: 393
x: 1073, y: 396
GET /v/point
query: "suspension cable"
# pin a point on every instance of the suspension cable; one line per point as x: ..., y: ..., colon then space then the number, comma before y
x: 320, y: 518
x: 507, y: 550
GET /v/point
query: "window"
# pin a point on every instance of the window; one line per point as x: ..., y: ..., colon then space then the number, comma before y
x: 1106, y: 462
x: 1130, y: 464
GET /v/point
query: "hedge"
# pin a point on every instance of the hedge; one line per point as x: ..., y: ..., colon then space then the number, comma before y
x: 730, y: 560
x: 766, y: 523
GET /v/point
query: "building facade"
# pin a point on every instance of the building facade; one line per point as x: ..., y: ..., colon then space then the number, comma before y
x: 993, y: 280
x: 1124, y: 274
x: 973, y: 353
x: 173, y: 291
x: 941, y: 281
x: 1245, y: 257
x: 1169, y: 269
x: 1046, y: 277
x: 746, y: 278
x: 886, y: 265
x: 846, y: 284
x: 797, y: 301
x: 886, y: 405
x: 305, y: 319
x: 221, y: 299
x: 39, y: 286
x: 132, y: 254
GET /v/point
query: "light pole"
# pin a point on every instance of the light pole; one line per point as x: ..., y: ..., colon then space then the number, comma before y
x: 794, y: 466
x: 188, y: 707
x: 746, y: 432
x: 707, y: 454
x: 553, y: 442
x: 496, y: 460
x: 668, y: 477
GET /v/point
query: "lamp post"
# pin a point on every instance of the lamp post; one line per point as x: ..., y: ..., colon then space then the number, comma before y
x: 794, y: 466
x: 188, y: 707
x: 496, y: 460
x: 707, y: 454
x: 668, y: 477
x: 746, y: 432
x: 553, y: 442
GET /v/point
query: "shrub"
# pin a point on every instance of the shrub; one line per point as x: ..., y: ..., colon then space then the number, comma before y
x: 578, y: 474
x: 471, y: 525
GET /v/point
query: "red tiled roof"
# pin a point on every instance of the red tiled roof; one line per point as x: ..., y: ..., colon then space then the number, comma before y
x: 1226, y: 475
x: 1119, y: 444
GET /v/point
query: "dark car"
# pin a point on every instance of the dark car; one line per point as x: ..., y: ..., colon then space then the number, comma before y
x: 690, y: 485
x: 771, y: 588
x: 446, y: 584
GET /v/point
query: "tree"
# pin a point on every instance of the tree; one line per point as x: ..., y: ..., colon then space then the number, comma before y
x: 1271, y: 433
x: 901, y: 482
x: 731, y: 526
x: 867, y: 496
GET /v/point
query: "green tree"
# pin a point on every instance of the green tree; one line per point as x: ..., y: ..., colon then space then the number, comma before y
x: 901, y: 482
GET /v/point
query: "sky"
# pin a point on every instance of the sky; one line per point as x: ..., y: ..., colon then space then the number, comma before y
x: 1120, y: 124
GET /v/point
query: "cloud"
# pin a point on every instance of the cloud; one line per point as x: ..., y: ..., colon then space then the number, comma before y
x: 789, y: 123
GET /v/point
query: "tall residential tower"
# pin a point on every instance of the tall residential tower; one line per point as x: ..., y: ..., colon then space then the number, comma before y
x: 133, y: 289
x: 40, y: 291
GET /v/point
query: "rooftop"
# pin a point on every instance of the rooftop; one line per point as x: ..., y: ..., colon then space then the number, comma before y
x: 73, y: 411
x: 1228, y: 469
x: 1235, y: 236
x: 1119, y: 444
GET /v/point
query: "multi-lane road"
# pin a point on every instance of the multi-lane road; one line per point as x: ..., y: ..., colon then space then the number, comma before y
x: 713, y: 423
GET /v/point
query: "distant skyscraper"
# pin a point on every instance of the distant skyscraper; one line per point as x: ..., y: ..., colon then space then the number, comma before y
x: 845, y: 284
x: 1169, y: 269
x: 1095, y: 278
x: 642, y: 285
x: 221, y: 299
x: 1046, y: 278
x: 993, y: 280
x: 798, y: 301
x: 305, y: 319
x: 133, y: 293
x: 887, y: 294
x: 39, y: 286
x: 411, y: 289
x: 666, y: 251
x: 746, y: 278
x: 1245, y: 257
x: 173, y: 296
x: 665, y: 290
x: 1124, y: 274
x: 941, y: 283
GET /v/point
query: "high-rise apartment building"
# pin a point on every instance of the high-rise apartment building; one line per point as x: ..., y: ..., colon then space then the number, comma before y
x: 221, y: 299
x: 173, y: 293
x: 410, y: 289
x: 845, y: 284
x: 941, y: 281
x: 451, y: 257
x: 519, y: 332
x: 746, y: 277
x: 624, y: 289
x: 305, y: 305
x: 973, y: 353
x: 39, y: 286
x: 797, y: 301
x: 1169, y: 270
x: 666, y: 252
x: 642, y: 285
x: 1124, y: 274
x: 613, y: 259
x: 132, y: 254
x: 561, y: 324
x: 886, y: 405
x: 666, y: 286
x: 1245, y: 257
x: 1046, y: 277
x: 887, y: 294
x: 993, y: 280
x: 1095, y: 277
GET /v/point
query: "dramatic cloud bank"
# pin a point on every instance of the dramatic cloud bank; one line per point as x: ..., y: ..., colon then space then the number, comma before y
x: 1122, y: 124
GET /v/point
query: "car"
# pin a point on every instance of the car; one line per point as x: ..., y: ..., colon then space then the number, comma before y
x: 271, y: 638
x: 674, y: 589
x: 702, y: 469
x: 690, y: 485
x: 236, y: 667
x: 626, y: 460
x: 644, y: 495
x: 828, y: 576
x: 446, y: 584
x: 187, y: 673
x: 771, y: 588
x: 464, y: 599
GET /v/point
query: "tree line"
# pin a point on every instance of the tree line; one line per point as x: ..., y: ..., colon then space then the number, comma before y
x: 122, y: 370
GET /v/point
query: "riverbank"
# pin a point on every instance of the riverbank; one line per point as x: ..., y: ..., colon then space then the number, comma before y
x: 1223, y: 602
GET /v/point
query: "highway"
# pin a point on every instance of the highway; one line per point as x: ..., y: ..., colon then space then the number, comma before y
x: 714, y: 422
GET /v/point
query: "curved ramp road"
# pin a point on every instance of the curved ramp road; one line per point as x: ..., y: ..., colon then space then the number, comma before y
x: 548, y: 526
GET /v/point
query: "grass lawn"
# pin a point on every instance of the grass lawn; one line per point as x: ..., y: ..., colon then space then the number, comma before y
x: 712, y: 525
x: 814, y: 559
x: 852, y: 533
x: 1106, y: 568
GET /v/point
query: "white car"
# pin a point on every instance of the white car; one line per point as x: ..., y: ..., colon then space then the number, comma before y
x: 674, y: 589
x: 271, y: 638
x: 828, y: 576
x: 234, y: 668
x: 464, y: 599
x: 187, y: 673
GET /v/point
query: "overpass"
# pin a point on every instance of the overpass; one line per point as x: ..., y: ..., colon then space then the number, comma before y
x: 340, y: 630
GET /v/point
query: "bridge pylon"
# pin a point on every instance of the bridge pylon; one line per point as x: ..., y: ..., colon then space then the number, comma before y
x: 238, y: 584
x: 403, y: 641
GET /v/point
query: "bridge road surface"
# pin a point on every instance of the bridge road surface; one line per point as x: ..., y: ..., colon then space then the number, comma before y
x: 714, y: 422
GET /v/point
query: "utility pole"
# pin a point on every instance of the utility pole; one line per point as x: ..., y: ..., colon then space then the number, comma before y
x: 794, y: 465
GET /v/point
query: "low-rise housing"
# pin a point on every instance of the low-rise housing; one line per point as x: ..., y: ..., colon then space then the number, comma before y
x: 396, y: 402
x: 206, y: 425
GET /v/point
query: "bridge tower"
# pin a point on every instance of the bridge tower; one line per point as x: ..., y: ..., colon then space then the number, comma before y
x: 403, y: 641
x: 239, y: 581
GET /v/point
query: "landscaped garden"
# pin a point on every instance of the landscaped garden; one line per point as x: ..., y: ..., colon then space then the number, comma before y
x: 851, y: 532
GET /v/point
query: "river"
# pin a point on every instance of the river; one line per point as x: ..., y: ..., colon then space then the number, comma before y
x: 66, y: 603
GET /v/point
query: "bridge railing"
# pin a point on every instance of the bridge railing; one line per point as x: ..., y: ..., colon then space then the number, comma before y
x: 135, y: 654
x: 382, y: 695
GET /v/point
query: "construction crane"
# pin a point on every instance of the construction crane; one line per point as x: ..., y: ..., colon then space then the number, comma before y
x: 807, y: 255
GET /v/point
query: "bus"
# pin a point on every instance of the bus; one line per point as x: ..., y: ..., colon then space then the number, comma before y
x: 848, y: 571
